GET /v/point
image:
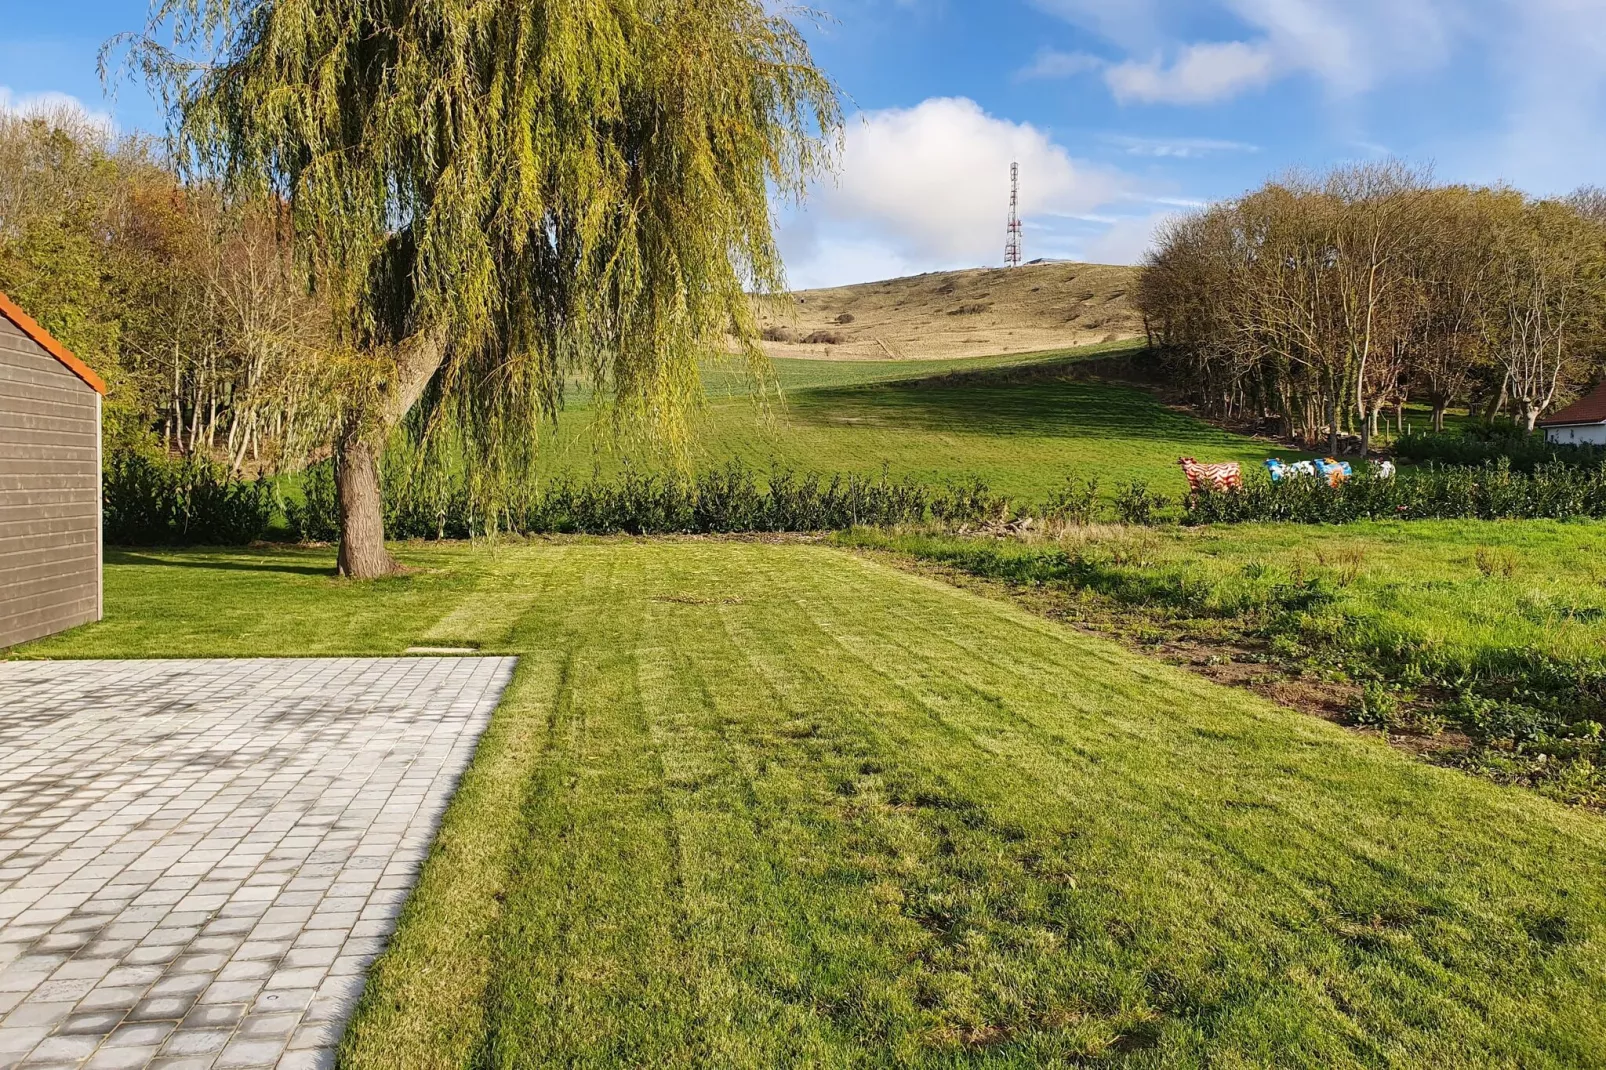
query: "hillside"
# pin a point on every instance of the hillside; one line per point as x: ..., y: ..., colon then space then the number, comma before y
x: 972, y: 313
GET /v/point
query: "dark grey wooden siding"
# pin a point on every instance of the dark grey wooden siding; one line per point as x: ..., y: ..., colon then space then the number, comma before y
x: 49, y: 493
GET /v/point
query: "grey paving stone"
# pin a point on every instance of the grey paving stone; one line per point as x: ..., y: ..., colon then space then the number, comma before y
x: 200, y: 859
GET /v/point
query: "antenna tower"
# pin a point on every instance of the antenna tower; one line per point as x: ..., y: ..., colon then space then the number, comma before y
x: 1012, y: 248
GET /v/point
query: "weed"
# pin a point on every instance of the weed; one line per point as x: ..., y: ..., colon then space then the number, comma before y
x: 1135, y: 503
x: 1493, y: 563
x: 1077, y: 502
x: 1346, y: 562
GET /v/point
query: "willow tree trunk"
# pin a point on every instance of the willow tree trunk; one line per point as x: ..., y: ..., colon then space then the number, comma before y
x: 358, y: 490
x: 362, y: 509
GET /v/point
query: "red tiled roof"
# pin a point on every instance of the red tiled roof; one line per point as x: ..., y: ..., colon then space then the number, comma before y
x: 27, y: 326
x: 1589, y: 409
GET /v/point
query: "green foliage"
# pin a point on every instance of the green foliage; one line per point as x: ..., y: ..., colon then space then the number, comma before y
x: 1481, y: 445
x: 1075, y: 503
x: 729, y: 500
x: 543, y: 187
x: 1497, y: 491
x: 185, y: 301
x: 1135, y: 503
x: 80, y: 247
x: 315, y: 516
x: 153, y: 502
x: 156, y: 501
x: 1411, y: 614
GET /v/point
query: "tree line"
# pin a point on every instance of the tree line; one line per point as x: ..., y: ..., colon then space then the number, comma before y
x: 387, y: 222
x: 185, y: 298
x: 1325, y: 304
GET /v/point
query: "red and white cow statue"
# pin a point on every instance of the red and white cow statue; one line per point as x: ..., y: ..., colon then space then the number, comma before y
x: 1203, y: 478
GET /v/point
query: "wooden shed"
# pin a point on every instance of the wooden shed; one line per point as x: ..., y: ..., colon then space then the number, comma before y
x: 50, y: 534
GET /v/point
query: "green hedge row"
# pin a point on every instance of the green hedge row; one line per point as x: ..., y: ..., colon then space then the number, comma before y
x: 1497, y: 491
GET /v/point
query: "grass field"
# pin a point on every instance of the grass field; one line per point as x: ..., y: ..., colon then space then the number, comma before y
x: 754, y: 805
x: 1495, y: 628
x: 1022, y: 424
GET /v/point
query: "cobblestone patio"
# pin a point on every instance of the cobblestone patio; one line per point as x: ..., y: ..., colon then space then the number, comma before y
x: 199, y: 859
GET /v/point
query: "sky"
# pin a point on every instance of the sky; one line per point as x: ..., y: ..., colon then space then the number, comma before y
x: 1121, y: 113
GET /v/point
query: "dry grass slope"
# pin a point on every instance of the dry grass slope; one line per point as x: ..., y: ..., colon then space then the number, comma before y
x: 981, y: 312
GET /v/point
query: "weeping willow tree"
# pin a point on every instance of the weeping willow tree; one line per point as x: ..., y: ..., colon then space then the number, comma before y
x: 496, y: 194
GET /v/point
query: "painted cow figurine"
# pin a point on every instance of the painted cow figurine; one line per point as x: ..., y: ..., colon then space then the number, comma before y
x: 1212, y: 477
x: 1334, y: 471
x: 1280, y: 471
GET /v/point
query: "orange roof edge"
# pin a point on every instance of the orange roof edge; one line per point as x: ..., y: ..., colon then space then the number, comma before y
x: 25, y: 323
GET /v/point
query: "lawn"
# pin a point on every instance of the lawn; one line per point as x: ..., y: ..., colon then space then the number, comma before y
x: 1494, y: 628
x: 1022, y: 424
x: 755, y: 804
x: 1456, y: 592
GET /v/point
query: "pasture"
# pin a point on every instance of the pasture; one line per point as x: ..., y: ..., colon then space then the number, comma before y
x: 1023, y: 424
x: 752, y: 804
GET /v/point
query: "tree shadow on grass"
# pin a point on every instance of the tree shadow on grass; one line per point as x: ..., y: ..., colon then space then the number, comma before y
x: 991, y: 406
x: 129, y: 557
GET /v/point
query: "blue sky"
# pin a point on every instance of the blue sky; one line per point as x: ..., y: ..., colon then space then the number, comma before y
x: 1121, y: 112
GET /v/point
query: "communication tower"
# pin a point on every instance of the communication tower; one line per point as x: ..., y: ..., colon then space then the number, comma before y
x: 1012, y: 248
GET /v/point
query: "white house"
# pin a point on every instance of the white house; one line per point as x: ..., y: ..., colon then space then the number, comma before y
x: 1581, y: 423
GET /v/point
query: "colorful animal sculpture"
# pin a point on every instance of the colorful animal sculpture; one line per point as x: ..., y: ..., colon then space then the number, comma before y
x: 1203, y: 478
x: 1335, y: 472
x: 1279, y: 470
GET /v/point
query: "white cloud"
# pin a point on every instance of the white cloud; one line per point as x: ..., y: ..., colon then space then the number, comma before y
x: 1179, y: 148
x: 1127, y: 240
x: 1052, y: 64
x: 927, y: 188
x: 1352, y: 45
x: 933, y: 180
x: 1201, y: 74
x: 56, y: 106
x: 1129, y: 23
x: 1536, y: 68
x: 1349, y: 46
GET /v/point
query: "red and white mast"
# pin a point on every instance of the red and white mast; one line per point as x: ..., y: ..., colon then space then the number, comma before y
x: 1013, y: 247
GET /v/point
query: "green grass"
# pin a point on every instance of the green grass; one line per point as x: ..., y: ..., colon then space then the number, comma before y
x: 768, y: 805
x: 1453, y: 615
x: 1456, y: 590
x: 1021, y: 424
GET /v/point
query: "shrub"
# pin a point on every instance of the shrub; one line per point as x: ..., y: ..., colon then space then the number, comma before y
x: 316, y: 518
x: 845, y: 318
x: 1489, y: 443
x: 1135, y: 503
x: 823, y: 338
x: 970, y: 310
x: 776, y: 333
x: 1077, y: 502
x: 153, y: 501
x: 1552, y: 491
x: 728, y: 500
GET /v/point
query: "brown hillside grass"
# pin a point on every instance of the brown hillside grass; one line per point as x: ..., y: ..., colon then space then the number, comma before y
x: 980, y: 312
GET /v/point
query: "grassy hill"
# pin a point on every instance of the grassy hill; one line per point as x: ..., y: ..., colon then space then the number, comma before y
x: 1021, y: 423
x: 961, y: 313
